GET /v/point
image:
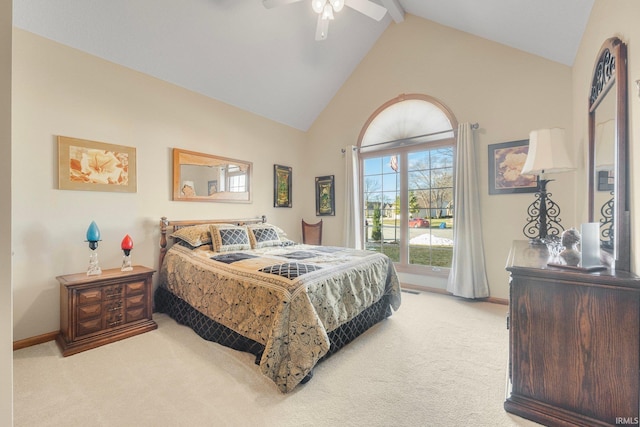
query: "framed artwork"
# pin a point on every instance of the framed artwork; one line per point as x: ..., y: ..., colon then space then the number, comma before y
x: 325, y: 195
x: 95, y: 166
x: 212, y: 187
x: 282, y: 186
x: 605, y: 180
x: 505, y: 164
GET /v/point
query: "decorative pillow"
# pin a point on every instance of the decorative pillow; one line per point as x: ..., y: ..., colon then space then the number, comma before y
x: 228, y: 238
x: 195, y: 235
x: 262, y: 236
x: 281, y: 233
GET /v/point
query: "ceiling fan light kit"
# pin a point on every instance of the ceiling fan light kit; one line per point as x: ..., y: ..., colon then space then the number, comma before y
x: 326, y: 8
x: 327, y: 13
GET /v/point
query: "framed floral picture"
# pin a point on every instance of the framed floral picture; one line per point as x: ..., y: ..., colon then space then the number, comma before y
x: 325, y: 196
x: 95, y: 166
x: 282, y: 186
x: 506, y: 160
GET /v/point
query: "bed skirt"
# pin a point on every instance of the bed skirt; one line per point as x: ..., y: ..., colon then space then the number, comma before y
x: 210, y: 330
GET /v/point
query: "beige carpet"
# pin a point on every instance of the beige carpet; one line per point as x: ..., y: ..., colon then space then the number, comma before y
x: 438, y: 361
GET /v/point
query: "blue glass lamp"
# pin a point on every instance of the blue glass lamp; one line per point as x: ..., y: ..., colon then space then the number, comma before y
x: 93, y: 237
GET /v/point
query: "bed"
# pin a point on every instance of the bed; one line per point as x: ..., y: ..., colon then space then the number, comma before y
x: 243, y: 284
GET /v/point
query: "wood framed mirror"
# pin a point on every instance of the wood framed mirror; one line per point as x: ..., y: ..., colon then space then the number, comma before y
x: 199, y: 177
x: 608, y: 148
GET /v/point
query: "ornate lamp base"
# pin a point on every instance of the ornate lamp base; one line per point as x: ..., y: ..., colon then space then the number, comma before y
x: 126, y: 263
x: 94, y: 267
x: 543, y: 220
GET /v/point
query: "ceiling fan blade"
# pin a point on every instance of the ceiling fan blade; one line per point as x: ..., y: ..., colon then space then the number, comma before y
x: 322, y: 30
x: 366, y: 7
x: 275, y: 3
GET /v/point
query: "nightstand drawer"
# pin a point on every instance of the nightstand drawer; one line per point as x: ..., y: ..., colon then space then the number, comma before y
x: 111, y: 292
x: 89, y: 296
x: 135, y: 288
x: 113, y: 305
x: 89, y: 326
x: 135, y: 314
x: 89, y: 311
x: 135, y: 300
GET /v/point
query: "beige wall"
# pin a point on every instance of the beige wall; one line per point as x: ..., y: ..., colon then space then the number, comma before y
x: 610, y: 19
x: 507, y: 91
x: 6, y: 334
x: 62, y: 91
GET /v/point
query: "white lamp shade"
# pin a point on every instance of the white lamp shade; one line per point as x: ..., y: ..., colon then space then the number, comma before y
x: 547, y: 153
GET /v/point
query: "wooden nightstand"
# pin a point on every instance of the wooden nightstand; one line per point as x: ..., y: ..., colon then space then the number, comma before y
x: 97, y: 310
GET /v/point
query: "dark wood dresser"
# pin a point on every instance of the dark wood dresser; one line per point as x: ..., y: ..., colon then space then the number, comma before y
x: 100, y: 309
x: 574, y: 343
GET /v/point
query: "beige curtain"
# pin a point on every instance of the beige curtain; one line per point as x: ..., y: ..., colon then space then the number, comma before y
x: 468, y: 277
x: 352, y: 220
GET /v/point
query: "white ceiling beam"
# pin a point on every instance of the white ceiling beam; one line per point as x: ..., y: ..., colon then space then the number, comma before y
x: 395, y: 10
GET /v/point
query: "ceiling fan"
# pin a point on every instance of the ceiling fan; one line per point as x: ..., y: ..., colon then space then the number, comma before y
x: 326, y: 8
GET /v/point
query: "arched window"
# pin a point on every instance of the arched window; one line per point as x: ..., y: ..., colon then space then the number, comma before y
x: 406, y: 153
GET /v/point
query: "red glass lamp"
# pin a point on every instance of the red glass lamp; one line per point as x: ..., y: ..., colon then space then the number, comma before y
x: 127, y: 245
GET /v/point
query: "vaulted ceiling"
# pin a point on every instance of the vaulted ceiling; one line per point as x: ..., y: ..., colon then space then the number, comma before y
x: 267, y: 61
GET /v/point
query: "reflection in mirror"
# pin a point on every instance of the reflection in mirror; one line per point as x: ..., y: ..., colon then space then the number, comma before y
x: 207, y: 178
x: 608, y: 177
x: 604, y: 169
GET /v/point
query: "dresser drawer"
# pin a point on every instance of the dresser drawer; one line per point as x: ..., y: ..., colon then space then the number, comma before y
x: 111, y: 292
x: 136, y: 300
x: 114, y: 319
x: 89, y: 296
x: 89, y: 311
x: 134, y: 314
x: 135, y: 288
x: 89, y: 326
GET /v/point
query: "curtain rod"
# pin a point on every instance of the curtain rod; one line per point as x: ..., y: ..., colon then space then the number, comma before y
x: 473, y: 126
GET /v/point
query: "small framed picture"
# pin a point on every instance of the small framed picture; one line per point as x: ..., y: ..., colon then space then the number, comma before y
x: 325, y: 196
x: 282, y: 186
x: 605, y: 180
x: 506, y: 160
x: 212, y: 187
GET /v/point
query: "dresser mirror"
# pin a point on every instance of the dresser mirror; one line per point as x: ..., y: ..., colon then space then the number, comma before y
x: 608, y: 147
x: 199, y: 177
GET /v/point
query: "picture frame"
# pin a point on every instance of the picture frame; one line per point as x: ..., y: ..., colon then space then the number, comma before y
x: 282, y: 182
x: 325, y: 196
x: 506, y: 160
x: 212, y: 187
x: 95, y: 166
x: 606, y: 180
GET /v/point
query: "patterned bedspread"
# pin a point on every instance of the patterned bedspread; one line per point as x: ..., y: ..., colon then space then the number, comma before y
x: 286, y: 298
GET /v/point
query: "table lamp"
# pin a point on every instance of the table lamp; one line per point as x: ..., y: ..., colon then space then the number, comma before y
x: 547, y: 155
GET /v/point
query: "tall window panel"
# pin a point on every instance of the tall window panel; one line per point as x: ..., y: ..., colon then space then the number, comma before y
x: 408, y: 205
x: 430, y: 207
x: 381, y: 193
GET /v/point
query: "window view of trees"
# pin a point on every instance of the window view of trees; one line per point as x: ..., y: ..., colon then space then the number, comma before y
x: 427, y: 207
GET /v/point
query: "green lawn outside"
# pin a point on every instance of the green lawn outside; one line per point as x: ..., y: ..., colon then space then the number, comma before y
x: 436, y: 256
